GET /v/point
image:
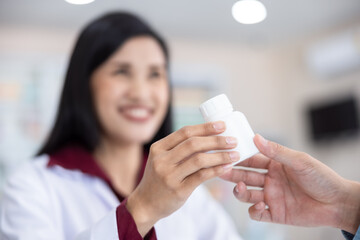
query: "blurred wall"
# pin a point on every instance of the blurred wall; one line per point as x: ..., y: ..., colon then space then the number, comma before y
x: 272, y: 86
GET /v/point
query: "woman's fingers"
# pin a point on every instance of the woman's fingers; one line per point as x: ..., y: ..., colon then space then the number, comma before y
x: 195, y: 145
x: 248, y: 195
x: 250, y: 178
x: 257, y: 161
x: 206, y: 129
x: 205, y: 160
x: 259, y: 212
x: 195, y: 179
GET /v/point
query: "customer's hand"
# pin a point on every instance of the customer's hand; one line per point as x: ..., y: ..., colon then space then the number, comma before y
x: 297, y: 189
x: 177, y: 164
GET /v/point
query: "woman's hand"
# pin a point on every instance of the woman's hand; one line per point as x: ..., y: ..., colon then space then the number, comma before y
x: 298, y: 189
x: 177, y: 164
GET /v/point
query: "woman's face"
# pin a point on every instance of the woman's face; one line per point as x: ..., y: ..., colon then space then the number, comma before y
x: 131, y: 92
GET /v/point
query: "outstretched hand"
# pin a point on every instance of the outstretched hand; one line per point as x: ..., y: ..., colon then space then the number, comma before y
x: 297, y: 189
x: 176, y: 165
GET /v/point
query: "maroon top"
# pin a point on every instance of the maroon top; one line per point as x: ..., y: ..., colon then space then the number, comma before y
x: 75, y: 157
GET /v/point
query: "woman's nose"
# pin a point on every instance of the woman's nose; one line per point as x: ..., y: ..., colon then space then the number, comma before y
x: 139, y: 89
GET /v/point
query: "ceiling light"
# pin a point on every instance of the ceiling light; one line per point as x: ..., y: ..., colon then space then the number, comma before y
x: 79, y: 2
x: 249, y: 11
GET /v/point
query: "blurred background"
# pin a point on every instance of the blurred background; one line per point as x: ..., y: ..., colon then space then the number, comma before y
x: 296, y: 76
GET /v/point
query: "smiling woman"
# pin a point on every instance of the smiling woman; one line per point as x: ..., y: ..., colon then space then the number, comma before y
x: 111, y: 168
x: 131, y: 88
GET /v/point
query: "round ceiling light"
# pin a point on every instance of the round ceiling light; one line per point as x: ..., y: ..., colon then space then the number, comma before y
x: 79, y: 2
x: 249, y: 11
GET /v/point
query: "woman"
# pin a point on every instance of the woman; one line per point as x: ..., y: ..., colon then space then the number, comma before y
x: 85, y: 182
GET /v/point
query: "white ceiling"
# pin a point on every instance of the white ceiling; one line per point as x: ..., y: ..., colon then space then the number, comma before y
x: 202, y: 19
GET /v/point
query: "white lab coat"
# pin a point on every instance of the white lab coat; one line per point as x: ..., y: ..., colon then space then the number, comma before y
x: 57, y: 203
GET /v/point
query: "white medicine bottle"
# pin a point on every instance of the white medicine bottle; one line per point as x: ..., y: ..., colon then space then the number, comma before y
x: 219, y: 108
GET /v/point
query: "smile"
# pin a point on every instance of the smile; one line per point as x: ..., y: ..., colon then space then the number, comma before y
x: 139, y: 114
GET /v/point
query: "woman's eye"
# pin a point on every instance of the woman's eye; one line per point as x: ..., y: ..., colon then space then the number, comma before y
x: 155, y: 75
x: 122, y: 72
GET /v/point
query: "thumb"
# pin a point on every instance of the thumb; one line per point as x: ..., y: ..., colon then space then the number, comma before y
x: 276, y: 151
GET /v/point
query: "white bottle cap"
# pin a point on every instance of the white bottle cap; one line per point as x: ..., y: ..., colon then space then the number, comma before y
x: 215, y: 106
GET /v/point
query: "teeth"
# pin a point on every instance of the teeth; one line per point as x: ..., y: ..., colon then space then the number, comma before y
x: 138, y: 113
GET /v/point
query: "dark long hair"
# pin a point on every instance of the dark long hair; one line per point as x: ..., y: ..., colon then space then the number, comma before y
x: 76, y: 120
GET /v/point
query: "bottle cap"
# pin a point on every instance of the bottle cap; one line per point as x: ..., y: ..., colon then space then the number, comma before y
x: 216, y: 105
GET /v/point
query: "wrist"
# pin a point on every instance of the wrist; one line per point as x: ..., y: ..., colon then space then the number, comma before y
x: 143, y: 219
x: 350, y: 210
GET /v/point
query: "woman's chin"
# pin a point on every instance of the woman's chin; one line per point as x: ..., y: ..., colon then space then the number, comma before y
x: 129, y: 135
x: 140, y: 140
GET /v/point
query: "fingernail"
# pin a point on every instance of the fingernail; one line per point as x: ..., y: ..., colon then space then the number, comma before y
x: 228, y: 166
x: 219, y: 126
x: 234, y: 156
x: 231, y: 140
x: 236, y: 189
x: 263, y: 141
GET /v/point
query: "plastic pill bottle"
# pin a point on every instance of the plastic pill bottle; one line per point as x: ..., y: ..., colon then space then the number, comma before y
x: 219, y: 108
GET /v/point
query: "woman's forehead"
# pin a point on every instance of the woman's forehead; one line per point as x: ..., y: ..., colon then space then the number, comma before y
x: 140, y: 49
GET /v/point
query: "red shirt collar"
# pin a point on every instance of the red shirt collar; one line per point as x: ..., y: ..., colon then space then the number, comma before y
x: 75, y: 157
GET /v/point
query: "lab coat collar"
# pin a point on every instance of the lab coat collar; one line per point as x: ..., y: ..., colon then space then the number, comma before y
x: 76, y: 157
